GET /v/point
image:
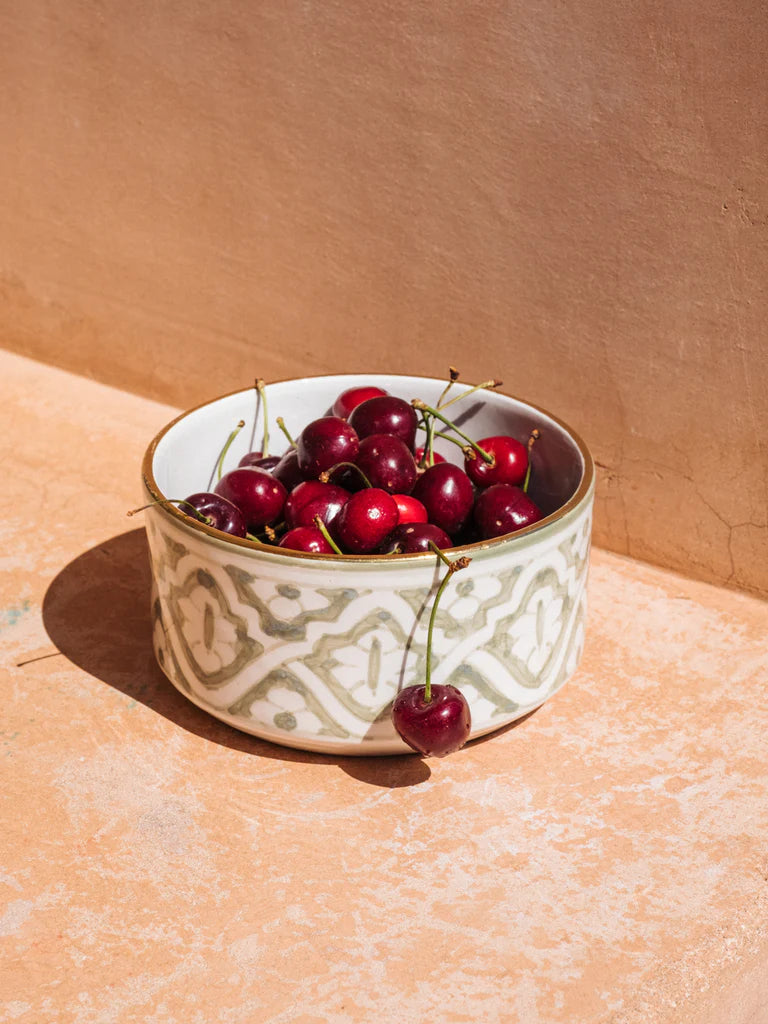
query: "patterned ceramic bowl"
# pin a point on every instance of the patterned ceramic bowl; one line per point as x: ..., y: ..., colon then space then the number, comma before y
x: 309, y: 651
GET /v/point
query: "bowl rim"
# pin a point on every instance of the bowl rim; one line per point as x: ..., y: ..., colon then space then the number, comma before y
x: 160, y: 502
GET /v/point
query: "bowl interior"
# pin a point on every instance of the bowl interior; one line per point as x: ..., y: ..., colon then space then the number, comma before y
x: 186, y: 453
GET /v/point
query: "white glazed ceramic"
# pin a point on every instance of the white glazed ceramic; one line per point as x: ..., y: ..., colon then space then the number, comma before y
x: 309, y: 651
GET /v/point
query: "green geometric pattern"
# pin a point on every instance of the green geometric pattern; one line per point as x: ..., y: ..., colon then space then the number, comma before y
x: 283, y: 658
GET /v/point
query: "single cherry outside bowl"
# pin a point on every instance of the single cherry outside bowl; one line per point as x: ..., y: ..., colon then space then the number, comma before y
x: 309, y: 651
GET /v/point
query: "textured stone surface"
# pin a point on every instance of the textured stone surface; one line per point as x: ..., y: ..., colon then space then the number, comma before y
x: 570, y: 197
x: 602, y: 862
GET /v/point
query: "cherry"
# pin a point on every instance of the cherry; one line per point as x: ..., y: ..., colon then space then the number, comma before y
x: 259, y: 460
x: 509, y: 466
x: 352, y: 397
x: 219, y: 513
x: 385, y: 415
x: 206, y: 507
x: 411, y: 509
x: 306, y: 538
x: 387, y: 463
x: 287, y: 470
x: 365, y: 521
x: 313, y: 498
x: 433, y: 726
x: 259, y: 496
x: 323, y: 443
x: 446, y: 493
x: 433, y: 720
x: 502, y: 509
x: 408, y: 538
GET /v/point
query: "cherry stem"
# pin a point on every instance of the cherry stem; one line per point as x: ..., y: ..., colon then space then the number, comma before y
x: 486, y: 385
x: 452, y: 378
x: 263, y: 397
x: 227, y: 446
x: 535, y: 435
x: 173, y: 501
x: 485, y: 456
x: 325, y: 476
x: 281, y: 423
x: 324, y: 530
x: 429, y: 447
x: 427, y: 457
x: 453, y: 567
x: 454, y: 440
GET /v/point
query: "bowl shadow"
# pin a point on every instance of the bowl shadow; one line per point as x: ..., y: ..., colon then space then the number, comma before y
x: 96, y: 612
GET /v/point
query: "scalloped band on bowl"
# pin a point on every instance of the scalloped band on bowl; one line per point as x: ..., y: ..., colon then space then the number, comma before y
x: 309, y: 651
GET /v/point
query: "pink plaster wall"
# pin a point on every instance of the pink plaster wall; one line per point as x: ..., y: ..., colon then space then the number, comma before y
x: 569, y: 196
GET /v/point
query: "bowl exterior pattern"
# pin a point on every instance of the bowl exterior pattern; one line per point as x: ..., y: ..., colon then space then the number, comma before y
x: 310, y: 653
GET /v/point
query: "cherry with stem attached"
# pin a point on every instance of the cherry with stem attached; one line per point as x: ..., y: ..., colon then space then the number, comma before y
x: 323, y: 443
x: 208, y: 508
x: 434, y: 719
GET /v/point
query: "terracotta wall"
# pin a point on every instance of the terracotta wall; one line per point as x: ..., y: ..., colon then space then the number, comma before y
x: 570, y: 196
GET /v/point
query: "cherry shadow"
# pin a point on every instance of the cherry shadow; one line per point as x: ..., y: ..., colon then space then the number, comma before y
x: 96, y: 612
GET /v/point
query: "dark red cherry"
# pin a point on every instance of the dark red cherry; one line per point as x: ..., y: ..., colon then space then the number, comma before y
x: 258, y: 495
x: 436, y: 727
x: 446, y: 493
x: 287, y: 470
x: 220, y: 513
x: 502, y: 509
x: 385, y: 415
x: 306, y: 538
x: 323, y: 443
x: 259, y: 460
x: 408, y: 538
x: 312, y: 498
x: 387, y: 463
x: 365, y: 521
x: 352, y: 397
x: 410, y: 509
x: 510, y: 462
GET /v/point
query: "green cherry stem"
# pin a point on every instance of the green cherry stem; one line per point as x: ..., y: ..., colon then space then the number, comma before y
x: 263, y: 401
x: 453, y: 376
x: 173, y: 501
x: 485, y: 456
x: 426, y: 458
x: 429, y: 447
x: 227, y: 446
x: 454, y: 440
x: 441, y: 555
x: 325, y: 476
x: 535, y: 435
x: 486, y: 385
x: 324, y: 530
x: 281, y: 423
x: 453, y: 567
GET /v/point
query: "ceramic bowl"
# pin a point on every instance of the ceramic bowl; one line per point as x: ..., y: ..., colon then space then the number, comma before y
x: 309, y: 651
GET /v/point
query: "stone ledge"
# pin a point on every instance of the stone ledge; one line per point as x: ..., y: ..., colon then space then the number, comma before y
x: 602, y: 862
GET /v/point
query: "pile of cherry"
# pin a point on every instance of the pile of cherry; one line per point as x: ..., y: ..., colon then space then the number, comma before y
x: 355, y: 482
